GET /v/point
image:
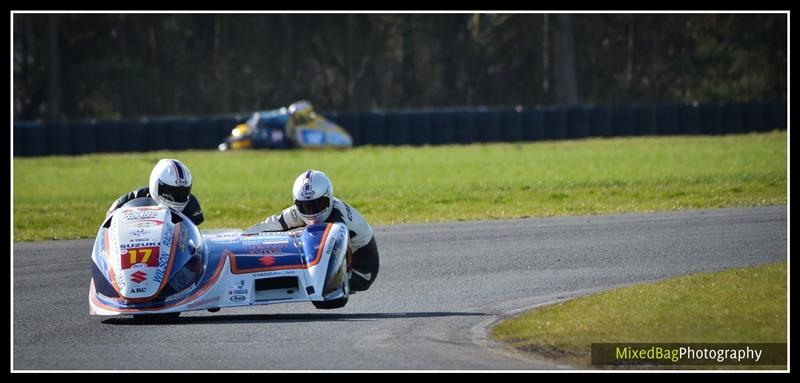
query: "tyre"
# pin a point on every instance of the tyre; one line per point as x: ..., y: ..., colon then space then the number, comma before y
x: 331, y: 304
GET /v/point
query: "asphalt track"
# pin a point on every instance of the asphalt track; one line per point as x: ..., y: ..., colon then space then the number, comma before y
x: 440, y: 287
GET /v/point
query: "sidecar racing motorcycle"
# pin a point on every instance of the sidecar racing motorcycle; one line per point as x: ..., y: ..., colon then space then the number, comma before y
x: 149, y: 260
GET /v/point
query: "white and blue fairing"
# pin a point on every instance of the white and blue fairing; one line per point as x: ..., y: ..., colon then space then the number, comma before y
x: 226, y: 269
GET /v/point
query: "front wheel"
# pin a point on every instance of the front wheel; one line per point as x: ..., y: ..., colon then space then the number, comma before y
x: 331, y: 304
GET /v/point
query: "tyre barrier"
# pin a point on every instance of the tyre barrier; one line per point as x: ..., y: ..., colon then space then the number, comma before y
x: 415, y: 127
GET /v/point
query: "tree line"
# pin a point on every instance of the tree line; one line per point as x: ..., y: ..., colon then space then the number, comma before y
x: 126, y: 66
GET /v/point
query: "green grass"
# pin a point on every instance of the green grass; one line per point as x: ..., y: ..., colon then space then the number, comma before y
x: 735, y: 305
x: 67, y: 197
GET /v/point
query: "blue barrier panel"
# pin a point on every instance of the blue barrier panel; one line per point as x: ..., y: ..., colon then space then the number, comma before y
x: 29, y: 139
x: 133, y: 137
x: 688, y: 119
x: 84, y: 138
x: 170, y: 133
x: 331, y: 116
x: 443, y: 126
x: 554, y: 123
x: 644, y: 122
x: 585, y: 128
x: 37, y: 141
x: 204, y: 133
x: 732, y: 116
x: 466, y: 126
x: 776, y: 118
x: 622, y: 121
x: 222, y: 127
x: 754, y: 117
x: 666, y: 119
x: 374, y: 128
x: 109, y: 136
x: 419, y: 124
x: 19, y: 139
x: 179, y: 134
x: 600, y: 121
x: 511, y: 121
x: 533, y: 125
x: 58, y: 138
x: 710, y: 119
x: 576, y: 123
x: 397, y: 128
x: 488, y: 122
x: 351, y: 123
x: 23, y: 144
x: 155, y: 135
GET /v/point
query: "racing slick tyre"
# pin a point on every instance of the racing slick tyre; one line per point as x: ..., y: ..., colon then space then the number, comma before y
x: 331, y: 304
x: 156, y: 318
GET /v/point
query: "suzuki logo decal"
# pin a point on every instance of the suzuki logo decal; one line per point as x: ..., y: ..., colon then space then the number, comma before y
x: 267, y: 261
x: 138, y: 277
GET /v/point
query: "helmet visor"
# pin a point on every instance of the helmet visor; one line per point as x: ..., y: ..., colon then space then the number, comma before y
x: 312, y: 207
x: 178, y: 194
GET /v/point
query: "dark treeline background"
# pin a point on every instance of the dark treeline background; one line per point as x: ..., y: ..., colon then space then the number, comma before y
x: 125, y: 66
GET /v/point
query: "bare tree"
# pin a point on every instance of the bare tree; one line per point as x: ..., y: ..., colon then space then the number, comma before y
x: 566, y: 85
x: 54, y: 71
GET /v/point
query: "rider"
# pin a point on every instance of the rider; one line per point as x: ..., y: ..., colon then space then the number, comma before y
x: 314, y: 203
x: 170, y: 186
x: 300, y: 113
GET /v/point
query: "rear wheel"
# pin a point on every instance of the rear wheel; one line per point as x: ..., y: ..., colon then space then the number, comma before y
x: 338, y: 302
x: 331, y: 304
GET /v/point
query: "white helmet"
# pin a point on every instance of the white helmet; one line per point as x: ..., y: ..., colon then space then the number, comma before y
x: 313, y: 196
x: 171, y: 184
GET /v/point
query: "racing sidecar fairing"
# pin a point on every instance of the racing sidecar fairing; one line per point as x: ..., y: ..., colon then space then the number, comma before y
x: 271, y: 129
x: 148, y: 259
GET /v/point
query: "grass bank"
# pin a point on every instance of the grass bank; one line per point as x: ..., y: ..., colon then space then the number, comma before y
x: 61, y: 197
x: 735, y: 305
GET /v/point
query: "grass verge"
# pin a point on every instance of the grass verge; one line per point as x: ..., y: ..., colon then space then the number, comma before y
x: 735, y: 305
x: 64, y: 197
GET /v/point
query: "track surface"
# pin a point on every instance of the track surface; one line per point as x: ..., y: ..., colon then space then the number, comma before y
x: 439, y: 287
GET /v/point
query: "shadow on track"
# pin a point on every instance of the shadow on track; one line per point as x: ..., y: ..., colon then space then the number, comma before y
x: 284, y: 318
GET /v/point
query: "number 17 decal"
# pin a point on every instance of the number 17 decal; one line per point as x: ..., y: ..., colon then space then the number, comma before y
x: 148, y: 256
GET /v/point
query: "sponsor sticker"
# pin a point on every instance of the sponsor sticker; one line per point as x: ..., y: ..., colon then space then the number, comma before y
x: 120, y: 279
x: 137, y: 244
x: 142, y: 214
x: 163, y: 259
x: 183, y: 238
x: 148, y: 223
x: 238, y: 289
x: 203, y: 302
x: 169, y: 235
x: 181, y: 294
x: 238, y: 298
x: 274, y: 273
x: 262, y: 248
